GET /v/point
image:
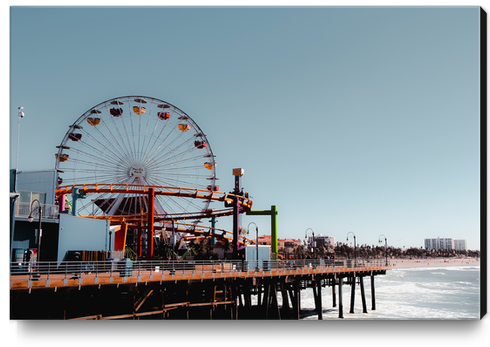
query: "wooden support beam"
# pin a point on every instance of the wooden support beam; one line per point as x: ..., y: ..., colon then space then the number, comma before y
x: 266, y: 300
x: 240, y: 301
x: 341, y: 307
x: 373, y: 300
x: 294, y: 294
x: 318, y: 300
x: 285, y: 302
x: 274, y: 300
x: 187, y: 298
x: 234, y: 293
x: 163, y: 301
x: 93, y: 317
x: 361, y: 281
x: 297, y: 296
x: 334, y: 300
x: 259, y: 295
x: 315, y: 295
x: 293, y: 301
x: 248, y: 299
x: 352, y: 294
x: 142, y: 300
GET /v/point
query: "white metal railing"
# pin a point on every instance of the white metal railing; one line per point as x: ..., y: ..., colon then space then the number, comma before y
x: 23, y: 209
x: 128, y: 268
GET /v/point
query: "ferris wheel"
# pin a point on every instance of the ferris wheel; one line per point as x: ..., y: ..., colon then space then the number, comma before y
x: 136, y: 141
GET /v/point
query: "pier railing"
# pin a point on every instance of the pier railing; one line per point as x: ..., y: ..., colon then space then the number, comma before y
x: 66, y: 270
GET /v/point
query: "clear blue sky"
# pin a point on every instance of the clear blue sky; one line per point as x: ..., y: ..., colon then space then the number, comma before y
x: 348, y: 119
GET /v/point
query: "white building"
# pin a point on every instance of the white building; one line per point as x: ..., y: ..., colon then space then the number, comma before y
x: 460, y: 245
x: 439, y: 243
x: 430, y: 244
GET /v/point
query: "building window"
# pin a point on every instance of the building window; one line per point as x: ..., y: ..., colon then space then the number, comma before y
x: 25, y: 201
x: 29, y: 197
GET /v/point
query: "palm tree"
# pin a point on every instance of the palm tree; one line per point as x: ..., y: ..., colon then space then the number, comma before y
x: 320, y: 251
x: 225, y: 244
x: 299, y: 251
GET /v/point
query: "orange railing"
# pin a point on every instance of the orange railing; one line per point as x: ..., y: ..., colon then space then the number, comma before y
x: 73, y: 273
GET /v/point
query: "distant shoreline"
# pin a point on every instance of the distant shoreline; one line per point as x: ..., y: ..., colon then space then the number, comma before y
x: 398, y: 263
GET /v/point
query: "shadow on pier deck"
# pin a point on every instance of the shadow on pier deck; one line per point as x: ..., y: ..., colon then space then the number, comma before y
x: 183, y: 290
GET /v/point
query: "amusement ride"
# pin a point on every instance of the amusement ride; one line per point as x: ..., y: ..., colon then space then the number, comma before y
x: 147, y: 167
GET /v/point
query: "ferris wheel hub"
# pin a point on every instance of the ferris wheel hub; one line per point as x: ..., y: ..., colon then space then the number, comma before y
x: 137, y: 171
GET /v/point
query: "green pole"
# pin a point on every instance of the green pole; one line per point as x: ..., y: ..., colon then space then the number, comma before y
x: 273, y: 213
x: 274, y: 229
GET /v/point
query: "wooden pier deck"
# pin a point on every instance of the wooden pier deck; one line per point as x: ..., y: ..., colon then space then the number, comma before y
x: 204, y: 291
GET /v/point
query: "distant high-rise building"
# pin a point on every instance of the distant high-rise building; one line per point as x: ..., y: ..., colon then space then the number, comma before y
x: 460, y: 245
x: 439, y: 243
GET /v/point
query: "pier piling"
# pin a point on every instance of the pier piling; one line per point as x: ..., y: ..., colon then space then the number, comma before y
x: 373, y: 299
x: 352, y: 293
x: 363, y: 298
x: 317, y: 294
x: 341, y: 307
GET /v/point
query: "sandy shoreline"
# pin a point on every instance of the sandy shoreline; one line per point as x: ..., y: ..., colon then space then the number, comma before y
x: 396, y: 263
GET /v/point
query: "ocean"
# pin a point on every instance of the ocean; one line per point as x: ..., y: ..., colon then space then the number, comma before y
x: 421, y: 293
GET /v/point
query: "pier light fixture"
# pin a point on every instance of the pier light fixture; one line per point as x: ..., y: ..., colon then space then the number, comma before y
x: 313, y: 243
x: 256, y: 244
x: 30, y: 218
x: 386, y: 247
x: 355, y: 246
x: 21, y: 115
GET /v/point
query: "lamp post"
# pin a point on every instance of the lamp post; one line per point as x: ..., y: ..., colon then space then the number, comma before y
x: 355, y: 246
x: 256, y: 244
x: 15, y: 194
x: 110, y: 240
x: 173, y: 239
x: 313, y: 243
x: 21, y: 115
x: 30, y: 219
x: 173, y: 247
x: 386, y: 247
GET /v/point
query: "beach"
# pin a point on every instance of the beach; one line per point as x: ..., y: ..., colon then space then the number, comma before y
x: 436, y: 262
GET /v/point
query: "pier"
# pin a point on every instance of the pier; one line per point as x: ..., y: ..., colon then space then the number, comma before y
x: 95, y: 208
x: 162, y: 289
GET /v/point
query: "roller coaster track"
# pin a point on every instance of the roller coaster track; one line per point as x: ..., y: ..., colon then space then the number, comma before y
x: 133, y: 221
x: 245, y: 203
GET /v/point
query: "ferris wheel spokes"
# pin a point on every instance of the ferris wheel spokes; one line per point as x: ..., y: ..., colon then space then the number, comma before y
x: 136, y: 140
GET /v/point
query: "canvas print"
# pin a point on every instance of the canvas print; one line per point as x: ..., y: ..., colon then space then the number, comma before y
x: 247, y: 163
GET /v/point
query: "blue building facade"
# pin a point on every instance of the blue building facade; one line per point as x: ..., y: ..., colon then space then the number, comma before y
x: 62, y: 233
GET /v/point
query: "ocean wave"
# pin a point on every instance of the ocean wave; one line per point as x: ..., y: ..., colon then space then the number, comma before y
x: 439, y: 293
x: 438, y: 268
